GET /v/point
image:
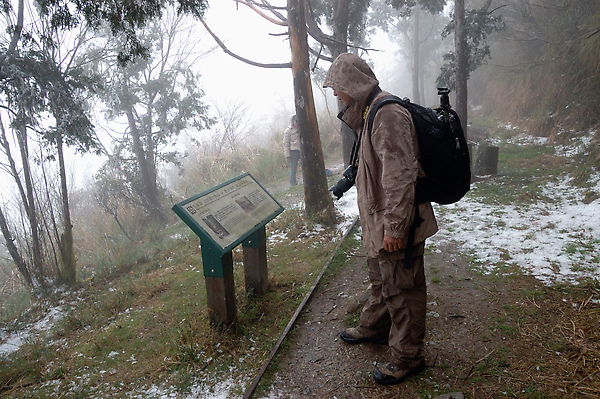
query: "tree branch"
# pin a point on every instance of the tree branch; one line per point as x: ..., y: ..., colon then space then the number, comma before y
x: 593, y: 33
x: 316, y: 33
x: 280, y: 21
x: 313, y: 28
x: 495, y: 9
x: 274, y: 9
x: 237, y: 57
x: 18, y: 28
x: 319, y: 56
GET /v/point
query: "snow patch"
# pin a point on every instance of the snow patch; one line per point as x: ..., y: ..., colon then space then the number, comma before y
x: 11, y: 342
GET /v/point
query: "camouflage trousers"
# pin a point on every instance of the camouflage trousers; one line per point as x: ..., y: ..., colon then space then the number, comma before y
x: 397, y: 304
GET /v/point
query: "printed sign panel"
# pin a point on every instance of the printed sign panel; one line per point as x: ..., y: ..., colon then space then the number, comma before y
x: 230, y: 212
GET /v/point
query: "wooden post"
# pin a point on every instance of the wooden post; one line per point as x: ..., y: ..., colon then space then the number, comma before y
x: 486, y: 160
x: 220, y: 287
x: 233, y: 213
x: 255, y: 262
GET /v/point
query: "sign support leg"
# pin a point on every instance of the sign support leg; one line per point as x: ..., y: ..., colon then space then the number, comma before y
x: 255, y: 262
x: 220, y: 294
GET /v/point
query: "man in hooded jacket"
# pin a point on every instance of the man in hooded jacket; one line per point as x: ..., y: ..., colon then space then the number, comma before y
x: 386, y: 178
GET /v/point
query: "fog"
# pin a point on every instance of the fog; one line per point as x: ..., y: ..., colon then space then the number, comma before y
x: 268, y: 92
x: 265, y: 95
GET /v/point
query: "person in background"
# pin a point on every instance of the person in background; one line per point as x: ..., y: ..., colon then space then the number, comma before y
x: 386, y: 178
x: 291, y: 149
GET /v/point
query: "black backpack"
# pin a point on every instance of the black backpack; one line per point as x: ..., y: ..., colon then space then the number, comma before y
x: 443, y: 147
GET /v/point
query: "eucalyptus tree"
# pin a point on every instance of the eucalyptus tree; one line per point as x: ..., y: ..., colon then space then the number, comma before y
x: 346, y: 19
x: 43, y: 104
x: 417, y: 33
x: 471, y: 29
x: 157, y: 96
x: 35, y: 84
x: 293, y: 18
x: 306, y: 19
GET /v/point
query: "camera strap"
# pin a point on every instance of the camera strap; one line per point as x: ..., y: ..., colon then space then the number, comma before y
x: 370, y: 99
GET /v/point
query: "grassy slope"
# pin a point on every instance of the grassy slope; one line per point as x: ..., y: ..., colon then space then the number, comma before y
x: 147, y: 325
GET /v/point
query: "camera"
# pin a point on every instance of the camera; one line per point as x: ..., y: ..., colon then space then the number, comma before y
x: 344, y: 184
x: 444, y: 114
x: 444, y: 98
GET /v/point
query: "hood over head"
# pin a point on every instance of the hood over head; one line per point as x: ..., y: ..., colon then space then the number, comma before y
x: 351, y: 75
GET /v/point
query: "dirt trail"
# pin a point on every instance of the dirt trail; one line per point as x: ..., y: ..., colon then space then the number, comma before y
x: 459, y: 336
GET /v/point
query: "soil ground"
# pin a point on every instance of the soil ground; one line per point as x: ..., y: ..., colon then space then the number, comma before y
x: 504, y: 335
x: 470, y: 348
x: 318, y: 364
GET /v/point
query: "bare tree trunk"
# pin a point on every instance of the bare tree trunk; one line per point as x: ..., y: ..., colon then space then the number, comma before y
x: 149, y: 149
x: 318, y: 201
x: 17, y: 29
x: 340, y: 35
x: 69, y: 263
x: 13, y: 250
x: 416, y: 58
x: 149, y: 185
x: 29, y: 204
x: 462, y: 62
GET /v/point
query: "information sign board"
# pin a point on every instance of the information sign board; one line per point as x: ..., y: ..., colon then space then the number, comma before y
x: 229, y: 213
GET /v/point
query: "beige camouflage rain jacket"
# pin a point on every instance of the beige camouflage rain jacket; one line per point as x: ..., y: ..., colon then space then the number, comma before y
x: 388, y: 166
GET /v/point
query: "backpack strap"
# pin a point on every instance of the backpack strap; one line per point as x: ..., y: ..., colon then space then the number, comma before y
x: 378, y: 104
x: 410, y: 243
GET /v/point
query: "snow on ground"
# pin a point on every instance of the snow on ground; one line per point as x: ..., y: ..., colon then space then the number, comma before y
x: 556, y: 241
x: 12, y: 342
x: 347, y: 207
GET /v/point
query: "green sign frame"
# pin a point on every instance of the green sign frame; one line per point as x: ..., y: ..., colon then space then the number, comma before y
x: 226, y: 216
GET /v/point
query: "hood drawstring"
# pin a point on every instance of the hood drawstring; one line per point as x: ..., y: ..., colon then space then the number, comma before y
x: 356, y: 144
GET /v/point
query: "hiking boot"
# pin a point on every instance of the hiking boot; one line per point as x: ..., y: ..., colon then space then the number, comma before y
x: 359, y: 335
x: 391, y: 375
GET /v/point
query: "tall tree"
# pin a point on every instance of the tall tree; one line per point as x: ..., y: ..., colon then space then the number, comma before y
x: 313, y: 170
x: 73, y: 127
x: 32, y: 269
x: 347, y: 21
x: 158, y: 96
x: 318, y: 202
x: 471, y: 28
x: 418, y: 36
x: 462, y: 61
x: 40, y: 84
x: 33, y: 83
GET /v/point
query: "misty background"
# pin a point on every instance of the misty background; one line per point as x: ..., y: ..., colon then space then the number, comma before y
x: 93, y: 123
x: 111, y: 113
x: 117, y: 133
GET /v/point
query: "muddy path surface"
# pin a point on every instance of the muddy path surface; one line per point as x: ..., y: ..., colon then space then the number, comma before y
x: 462, y: 334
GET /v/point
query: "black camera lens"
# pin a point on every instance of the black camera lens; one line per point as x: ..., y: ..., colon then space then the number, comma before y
x: 345, y: 183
